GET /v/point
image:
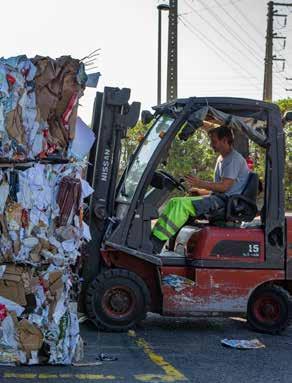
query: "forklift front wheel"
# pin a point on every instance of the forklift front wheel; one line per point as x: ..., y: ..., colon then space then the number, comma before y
x: 268, y: 309
x: 116, y: 300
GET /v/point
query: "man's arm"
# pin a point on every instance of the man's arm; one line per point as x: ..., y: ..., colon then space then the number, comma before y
x: 219, y: 187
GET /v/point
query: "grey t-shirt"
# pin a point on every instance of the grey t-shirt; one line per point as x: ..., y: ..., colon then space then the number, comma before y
x: 232, y: 166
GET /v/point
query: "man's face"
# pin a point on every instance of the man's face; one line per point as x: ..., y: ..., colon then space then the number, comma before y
x: 219, y: 146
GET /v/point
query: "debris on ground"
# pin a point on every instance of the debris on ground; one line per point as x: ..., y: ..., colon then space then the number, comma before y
x: 243, y: 344
x: 106, y: 357
x: 132, y: 333
x: 82, y: 318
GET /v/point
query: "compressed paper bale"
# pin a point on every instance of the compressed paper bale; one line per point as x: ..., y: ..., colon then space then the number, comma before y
x: 38, y: 107
x: 40, y: 292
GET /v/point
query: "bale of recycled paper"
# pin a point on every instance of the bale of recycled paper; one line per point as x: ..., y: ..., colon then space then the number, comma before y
x: 45, y: 326
x: 42, y: 220
x: 38, y: 106
x: 41, y: 233
x: 41, y: 198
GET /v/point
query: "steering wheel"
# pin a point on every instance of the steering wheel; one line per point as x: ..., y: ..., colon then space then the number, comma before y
x: 178, y: 183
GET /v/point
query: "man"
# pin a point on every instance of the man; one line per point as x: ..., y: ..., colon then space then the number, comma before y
x: 231, y: 173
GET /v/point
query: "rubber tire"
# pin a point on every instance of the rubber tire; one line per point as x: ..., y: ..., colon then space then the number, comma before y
x: 283, y: 299
x: 101, y: 285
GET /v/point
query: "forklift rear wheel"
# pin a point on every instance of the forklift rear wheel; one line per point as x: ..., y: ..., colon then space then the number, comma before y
x: 116, y: 300
x: 268, y: 309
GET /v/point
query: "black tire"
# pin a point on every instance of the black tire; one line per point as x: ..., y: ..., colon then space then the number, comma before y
x: 117, y: 300
x: 268, y: 309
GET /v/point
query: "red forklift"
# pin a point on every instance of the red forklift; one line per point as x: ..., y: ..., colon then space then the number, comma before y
x: 236, y: 261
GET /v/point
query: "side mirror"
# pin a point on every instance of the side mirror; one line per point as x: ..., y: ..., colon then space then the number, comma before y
x: 287, y: 116
x: 146, y: 117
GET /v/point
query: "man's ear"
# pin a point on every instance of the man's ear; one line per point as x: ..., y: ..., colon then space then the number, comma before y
x: 225, y: 141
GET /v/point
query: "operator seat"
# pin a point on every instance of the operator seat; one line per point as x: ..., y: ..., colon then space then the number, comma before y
x: 239, y: 207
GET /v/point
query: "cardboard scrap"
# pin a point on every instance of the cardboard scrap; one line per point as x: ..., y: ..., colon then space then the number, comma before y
x: 11, y: 284
x: 30, y: 336
x: 55, y: 282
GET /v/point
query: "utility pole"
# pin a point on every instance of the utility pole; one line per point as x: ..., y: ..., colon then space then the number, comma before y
x: 171, y: 93
x: 268, y: 76
x: 160, y: 7
x: 159, y: 60
x: 269, y: 57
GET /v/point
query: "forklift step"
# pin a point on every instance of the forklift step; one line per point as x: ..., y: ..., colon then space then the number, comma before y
x: 171, y: 258
x: 139, y: 254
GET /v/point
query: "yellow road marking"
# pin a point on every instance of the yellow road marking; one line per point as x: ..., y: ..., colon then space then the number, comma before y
x: 94, y: 376
x: 59, y: 376
x: 20, y: 376
x: 171, y: 373
x: 48, y: 376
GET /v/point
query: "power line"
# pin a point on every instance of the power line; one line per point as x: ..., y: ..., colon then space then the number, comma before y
x: 234, y: 34
x: 258, y: 58
x: 240, y: 26
x: 269, y: 56
x: 205, y: 8
x: 246, y: 19
x: 229, y: 30
x: 210, y: 44
x: 218, y: 32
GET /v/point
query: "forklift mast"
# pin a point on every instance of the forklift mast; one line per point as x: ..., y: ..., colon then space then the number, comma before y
x: 112, y: 117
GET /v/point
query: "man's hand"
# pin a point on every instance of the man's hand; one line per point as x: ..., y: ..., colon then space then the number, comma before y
x: 198, y: 192
x: 194, y: 182
x: 219, y: 187
x: 194, y: 191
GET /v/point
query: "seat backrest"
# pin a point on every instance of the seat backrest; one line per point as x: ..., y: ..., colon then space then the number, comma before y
x: 241, y: 207
x: 251, y: 188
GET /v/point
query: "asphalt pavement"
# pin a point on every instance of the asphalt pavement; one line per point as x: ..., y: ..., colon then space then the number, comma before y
x: 171, y: 350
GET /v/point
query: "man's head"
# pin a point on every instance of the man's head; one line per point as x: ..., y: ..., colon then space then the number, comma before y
x: 221, y: 139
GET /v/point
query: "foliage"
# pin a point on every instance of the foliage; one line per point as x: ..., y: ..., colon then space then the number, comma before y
x: 286, y: 104
x: 129, y: 144
x: 195, y: 154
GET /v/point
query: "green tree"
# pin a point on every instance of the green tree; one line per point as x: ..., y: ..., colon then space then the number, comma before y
x: 286, y: 104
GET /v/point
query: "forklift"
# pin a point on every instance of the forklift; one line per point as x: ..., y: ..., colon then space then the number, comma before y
x: 236, y: 261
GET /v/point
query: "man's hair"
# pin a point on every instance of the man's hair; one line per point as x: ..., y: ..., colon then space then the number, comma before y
x: 223, y: 132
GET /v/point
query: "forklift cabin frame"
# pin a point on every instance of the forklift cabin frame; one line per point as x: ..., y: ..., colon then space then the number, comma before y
x: 130, y: 232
